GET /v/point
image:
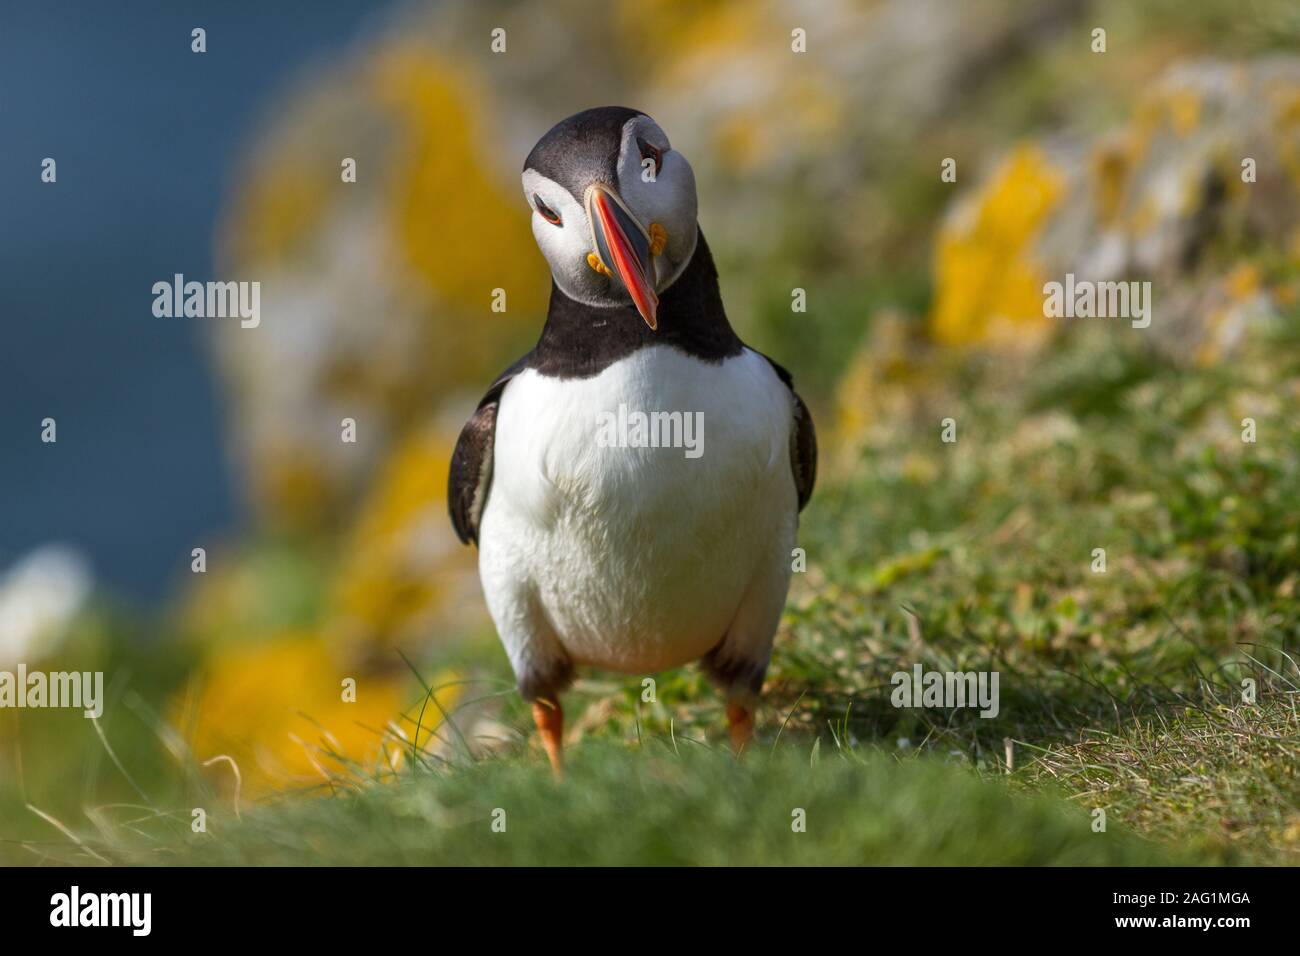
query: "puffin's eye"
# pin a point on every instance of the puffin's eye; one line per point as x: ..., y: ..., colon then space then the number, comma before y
x: 651, y: 152
x: 549, y: 214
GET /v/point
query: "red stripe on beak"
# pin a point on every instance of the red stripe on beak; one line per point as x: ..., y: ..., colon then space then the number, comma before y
x: 627, y: 265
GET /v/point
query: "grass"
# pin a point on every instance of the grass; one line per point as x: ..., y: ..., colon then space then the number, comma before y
x: 650, y: 805
x: 1123, y: 687
x: 1121, y: 690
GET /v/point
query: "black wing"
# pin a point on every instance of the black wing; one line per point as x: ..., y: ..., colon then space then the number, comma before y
x: 803, y: 440
x: 470, y: 478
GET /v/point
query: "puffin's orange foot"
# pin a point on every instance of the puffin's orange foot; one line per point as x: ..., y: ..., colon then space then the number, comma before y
x: 740, y: 721
x: 549, y: 718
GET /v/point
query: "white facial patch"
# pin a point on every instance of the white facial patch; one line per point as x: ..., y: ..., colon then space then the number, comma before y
x: 565, y: 246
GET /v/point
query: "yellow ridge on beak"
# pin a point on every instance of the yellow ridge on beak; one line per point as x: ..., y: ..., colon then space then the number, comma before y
x: 658, y: 239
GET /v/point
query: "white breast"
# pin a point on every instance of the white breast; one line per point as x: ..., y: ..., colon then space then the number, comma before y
x: 637, y: 558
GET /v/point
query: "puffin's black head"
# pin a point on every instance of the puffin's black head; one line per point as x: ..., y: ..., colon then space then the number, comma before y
x: 613, y: 208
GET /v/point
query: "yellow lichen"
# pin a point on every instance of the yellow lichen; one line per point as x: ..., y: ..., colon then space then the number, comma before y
x: 1184, y: 110
x: 853, y: 395
x: 1243, y: 281
x: 1112, y: 166
x: 290, y: 488
x: 1286, y: 121
x: 655, y: 33
x: 277, y: 207
x: 459, y: 225
x: 740, y: 142
x: 278, y: 709
x: 988, y: 282
x: 400, y: 553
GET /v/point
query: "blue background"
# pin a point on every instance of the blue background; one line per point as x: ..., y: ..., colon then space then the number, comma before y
x: 144, y: 133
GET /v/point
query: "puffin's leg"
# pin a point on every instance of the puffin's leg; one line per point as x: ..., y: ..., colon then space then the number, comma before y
x: 542, y: 670
x: 738, y: 664
x: 740, y: 721
x: 549, y: 718
x: 741, y: 682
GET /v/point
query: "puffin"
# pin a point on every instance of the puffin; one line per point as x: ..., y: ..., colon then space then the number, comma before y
x: 616, y: 548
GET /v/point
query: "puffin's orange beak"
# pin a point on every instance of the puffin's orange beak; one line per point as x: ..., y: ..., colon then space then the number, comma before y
x: 623, y: 247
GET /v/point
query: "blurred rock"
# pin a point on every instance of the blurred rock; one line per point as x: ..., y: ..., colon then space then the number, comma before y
x: 376, y: 294
x: 1160, y: 199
